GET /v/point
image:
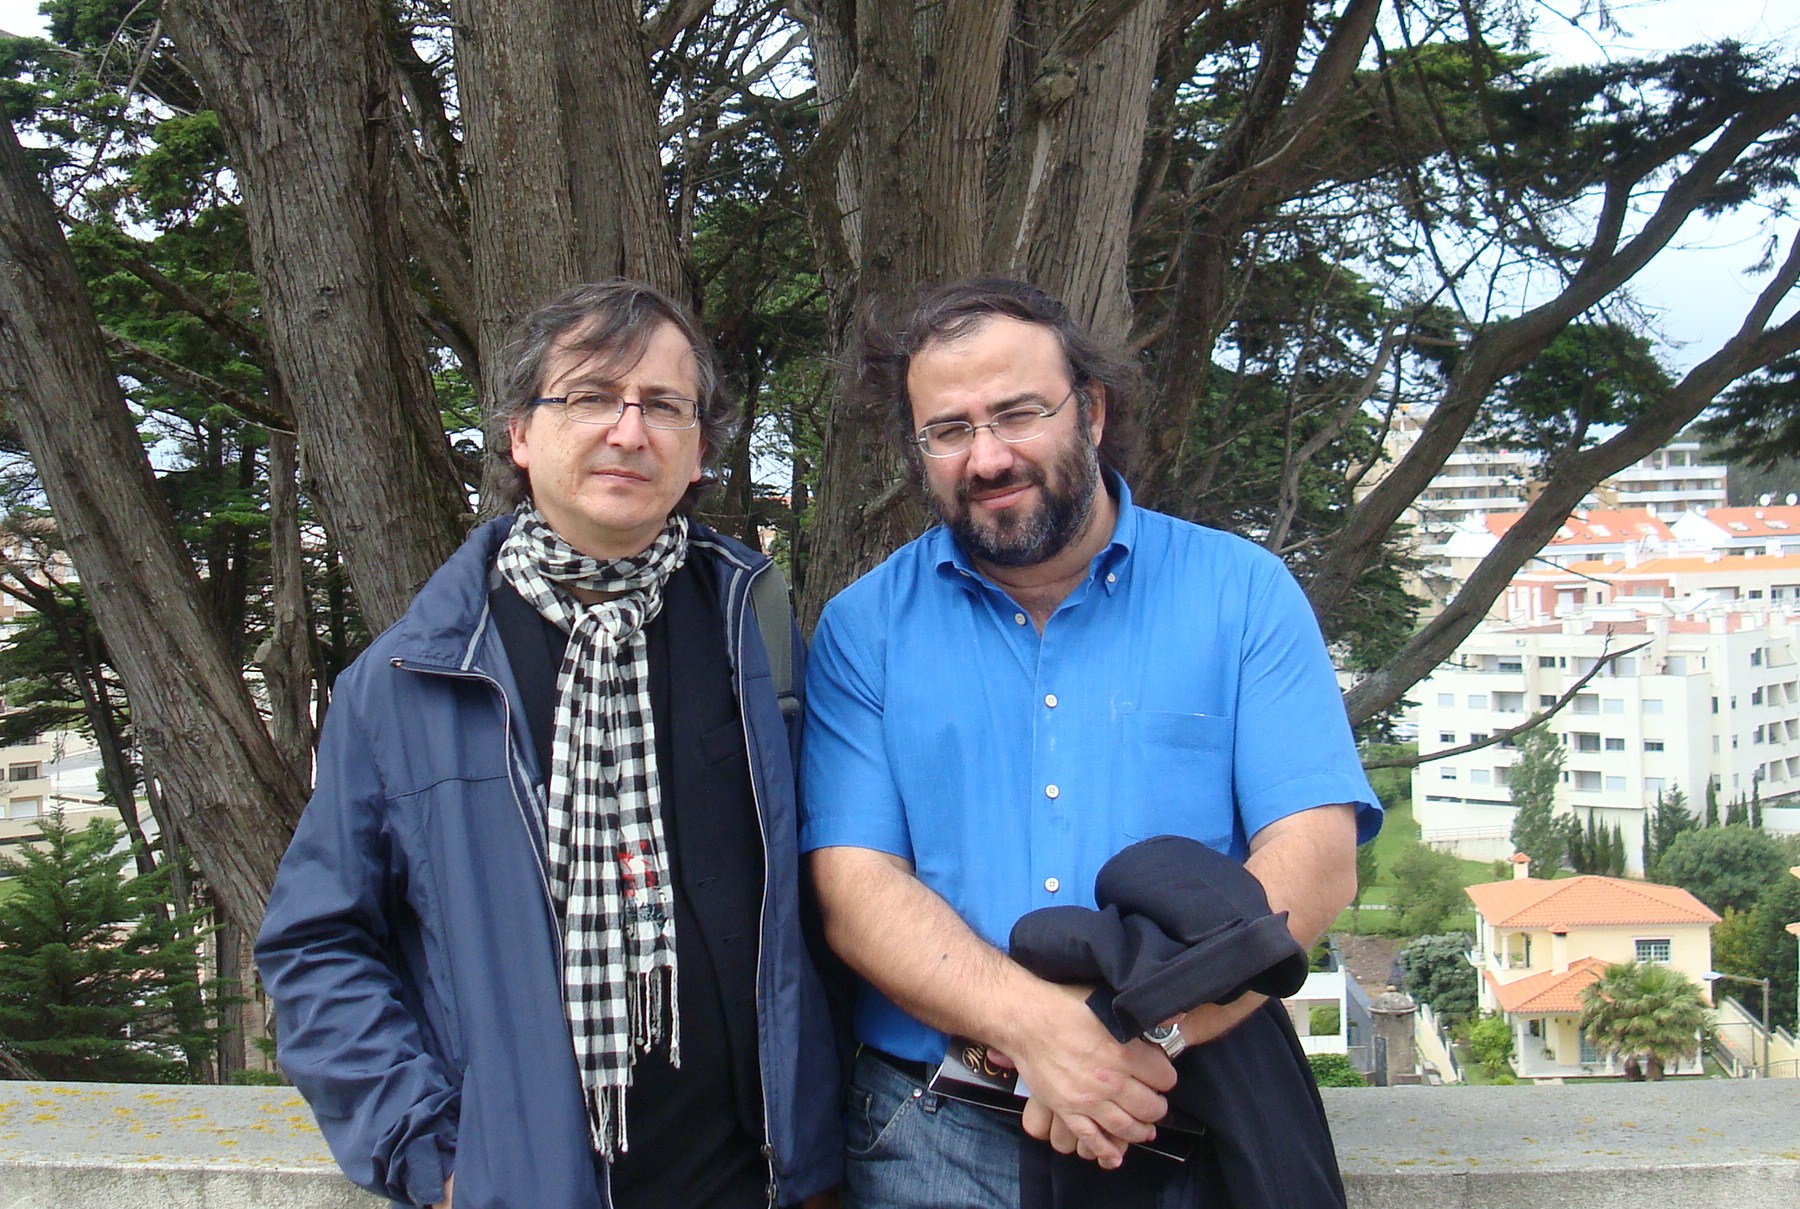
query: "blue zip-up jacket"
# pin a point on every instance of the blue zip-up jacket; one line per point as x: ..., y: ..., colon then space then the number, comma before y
x: 411, y: 950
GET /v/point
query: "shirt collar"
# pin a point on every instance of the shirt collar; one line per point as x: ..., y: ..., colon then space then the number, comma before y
x: 1107, y: 568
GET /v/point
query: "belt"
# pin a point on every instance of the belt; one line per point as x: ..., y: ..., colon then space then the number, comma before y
x: 917, y: 1072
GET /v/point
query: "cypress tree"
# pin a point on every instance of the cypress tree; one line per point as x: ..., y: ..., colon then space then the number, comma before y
x: 96, y: 983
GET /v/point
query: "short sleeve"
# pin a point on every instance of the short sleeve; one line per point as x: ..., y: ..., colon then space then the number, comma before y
x: 1294, y: 747
x: 847, y: 790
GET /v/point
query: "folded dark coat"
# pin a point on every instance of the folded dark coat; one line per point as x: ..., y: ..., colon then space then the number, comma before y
x: 1180, y: 925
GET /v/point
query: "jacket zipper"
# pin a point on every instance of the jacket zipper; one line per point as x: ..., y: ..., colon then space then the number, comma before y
x: 762, y: 831
x: 513, y: 780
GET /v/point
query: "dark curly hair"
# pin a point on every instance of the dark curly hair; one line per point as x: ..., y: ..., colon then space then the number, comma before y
x: 891, y: 338
x: 614, y: 319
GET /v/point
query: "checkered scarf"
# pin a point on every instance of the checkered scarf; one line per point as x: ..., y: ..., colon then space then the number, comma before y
x: 609, y: 871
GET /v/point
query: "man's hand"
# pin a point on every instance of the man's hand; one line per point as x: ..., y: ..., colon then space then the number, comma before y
x: 449, y: 1192
x: 1090, y: 1095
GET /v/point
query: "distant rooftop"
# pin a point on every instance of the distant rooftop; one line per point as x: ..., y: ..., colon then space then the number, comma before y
x: 1587, y: 901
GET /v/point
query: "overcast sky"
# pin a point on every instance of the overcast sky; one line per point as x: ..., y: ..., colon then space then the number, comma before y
x: 1699, y: 289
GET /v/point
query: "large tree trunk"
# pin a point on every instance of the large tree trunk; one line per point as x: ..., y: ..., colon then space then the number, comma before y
x: 189, y: 704
x: 564, y: 179
x: 302, y: 93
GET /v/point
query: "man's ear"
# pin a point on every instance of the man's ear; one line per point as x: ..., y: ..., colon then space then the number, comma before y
x: 1096, y: 409
x: 519, y: 449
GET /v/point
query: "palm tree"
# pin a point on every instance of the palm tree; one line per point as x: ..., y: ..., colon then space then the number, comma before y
x: 1647, y: 1015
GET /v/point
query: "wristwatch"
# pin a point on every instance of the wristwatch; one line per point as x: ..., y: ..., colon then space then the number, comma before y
x: 1167, y: 1037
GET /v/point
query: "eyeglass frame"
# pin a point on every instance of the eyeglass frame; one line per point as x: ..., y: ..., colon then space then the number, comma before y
x: 993, y: 425
x: 563, y: 401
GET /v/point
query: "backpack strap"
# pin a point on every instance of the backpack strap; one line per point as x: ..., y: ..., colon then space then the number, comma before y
x: 775, y: 618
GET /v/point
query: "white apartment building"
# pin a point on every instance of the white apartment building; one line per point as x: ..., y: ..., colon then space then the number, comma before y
x: 1477, y: 479
x: 1713, y: 693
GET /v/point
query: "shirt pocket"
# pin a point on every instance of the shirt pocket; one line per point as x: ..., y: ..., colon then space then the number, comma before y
x: 1179, y: 776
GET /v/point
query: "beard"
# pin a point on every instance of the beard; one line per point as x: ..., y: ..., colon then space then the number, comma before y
x: 1023, y: 539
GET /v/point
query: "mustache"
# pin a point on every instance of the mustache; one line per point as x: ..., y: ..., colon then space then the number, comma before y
x: 1020, y: 476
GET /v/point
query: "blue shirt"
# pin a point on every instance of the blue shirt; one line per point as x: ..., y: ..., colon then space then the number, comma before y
x: 1182, y: 688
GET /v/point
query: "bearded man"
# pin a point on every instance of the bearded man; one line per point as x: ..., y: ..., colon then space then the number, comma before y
x: 1047, y: 677
x: 537, y: 942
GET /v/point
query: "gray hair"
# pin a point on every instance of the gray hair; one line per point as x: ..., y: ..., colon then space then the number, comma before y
x: 612, y: 319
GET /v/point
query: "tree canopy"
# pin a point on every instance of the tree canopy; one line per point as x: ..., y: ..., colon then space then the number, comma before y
x: 1649, y: 1016
x: 1726, y: 867
x: 261, y: 261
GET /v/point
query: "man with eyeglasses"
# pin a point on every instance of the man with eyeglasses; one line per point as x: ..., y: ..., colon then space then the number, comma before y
x: 537, y: 941
x: 1045, y: 678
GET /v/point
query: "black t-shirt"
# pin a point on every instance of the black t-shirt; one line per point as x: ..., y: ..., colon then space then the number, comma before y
x: 695, y: 1133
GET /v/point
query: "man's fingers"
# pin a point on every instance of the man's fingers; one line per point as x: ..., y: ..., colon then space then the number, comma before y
x: 1133, y: 1124
x: 1149, y: 1065
x: 1038, y: 1119
x: 1082, y: 1136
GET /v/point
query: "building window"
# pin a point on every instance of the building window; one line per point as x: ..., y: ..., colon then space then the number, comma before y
x: 1478, y: 701
x: 1613, y: 705
x: 1615, y: 744
x: 1652, y: 786
x: 1653, y: 744
x: 1586, y: 703
x: 1715, y: 702
x: 1446, y: 773
x: 1587, y: 782
x: 1509, y: 703
x: 1615, y: 785
x: 1756, y: 655
x: 1653, y: 952
x: 1448, y: 701
x: 1586, y: 742
x: 1546, y: 660
x: 24, y: 808
x: 1546, y: 700
x: 1447, y: 737
x: 22, y: 772
x: 1478, y: 776
x: 1652, y: 705
x: 1756, y: 697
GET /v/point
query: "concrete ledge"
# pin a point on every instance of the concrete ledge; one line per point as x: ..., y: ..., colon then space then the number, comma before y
x: 1593, y: 1146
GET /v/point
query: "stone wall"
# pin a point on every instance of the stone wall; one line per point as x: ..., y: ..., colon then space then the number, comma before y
x: 1592, y: 1146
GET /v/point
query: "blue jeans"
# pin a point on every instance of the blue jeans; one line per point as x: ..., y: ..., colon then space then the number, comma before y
x: 908, y: 1148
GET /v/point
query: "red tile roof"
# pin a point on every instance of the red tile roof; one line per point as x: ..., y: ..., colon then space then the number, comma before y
x: 1596, y: 526
x: 1577, y: 902
x: 1549, y: 992
x: 1770, y: 520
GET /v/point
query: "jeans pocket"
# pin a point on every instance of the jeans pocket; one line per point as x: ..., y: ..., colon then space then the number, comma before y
x: 872, y: 1119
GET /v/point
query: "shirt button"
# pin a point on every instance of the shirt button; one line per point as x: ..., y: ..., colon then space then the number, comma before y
x: 1052, y: 885
x: 1050, y: 700
x: 1018, y: 619
x: 1051, y: 791
x: 1111, y: 578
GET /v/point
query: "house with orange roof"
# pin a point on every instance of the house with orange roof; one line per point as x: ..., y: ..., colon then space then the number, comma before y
x: 1539, y: 943
x: 1768, y: 529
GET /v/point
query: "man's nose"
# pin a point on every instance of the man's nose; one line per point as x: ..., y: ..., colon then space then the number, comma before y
x: 629, y: 429
x: 988, y: 454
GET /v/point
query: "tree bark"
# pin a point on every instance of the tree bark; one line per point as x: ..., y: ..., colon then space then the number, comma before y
x: 190, y: 708
x: 302, y: 94
x: 565, y: 184
x: 286, y: 658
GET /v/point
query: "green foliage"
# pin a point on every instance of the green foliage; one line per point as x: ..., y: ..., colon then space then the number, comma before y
x: 1757, y: 944
x: 1438, y: 973
x: 1670, y: 818
x: 1592, y: 374
x: 1536, y: 831
x: 1725, y: 866
x: 1334, y: 1070
x: 1323, y: 1020
x: 1429, y: 890
x: 96, y: 983
x: 1652, y: 1014
x: 1367, y: 867
x: 1595, y: 848
x: 1491, y: 1044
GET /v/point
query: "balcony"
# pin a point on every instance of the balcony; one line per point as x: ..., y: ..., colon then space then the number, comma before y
x: 1593, y: 1146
